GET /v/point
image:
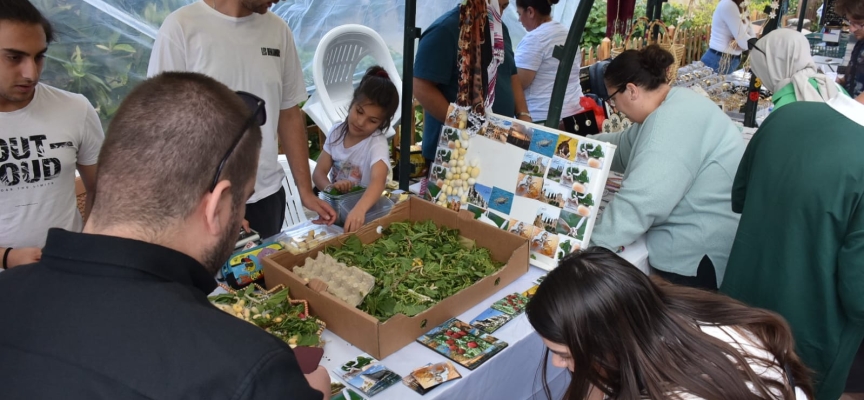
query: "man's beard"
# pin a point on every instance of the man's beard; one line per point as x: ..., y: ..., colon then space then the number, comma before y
x: 216, y: 256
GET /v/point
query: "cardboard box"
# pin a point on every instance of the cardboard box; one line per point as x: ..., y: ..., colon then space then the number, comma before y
x: 380, y: 339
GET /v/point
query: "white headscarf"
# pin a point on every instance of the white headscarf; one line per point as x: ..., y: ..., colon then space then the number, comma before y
x: 787, y: 59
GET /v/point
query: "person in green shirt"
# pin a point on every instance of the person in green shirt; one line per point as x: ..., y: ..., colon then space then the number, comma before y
x: 799, y: 249
x: 678, y: 160
x: 782, y: 60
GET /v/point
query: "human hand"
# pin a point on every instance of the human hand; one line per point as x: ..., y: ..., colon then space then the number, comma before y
x: 245, y: 226
x: 525, y: 118
x: 354, y: 220
x: 326, y: 215
x: 343, y: 186
x: 23, y: 256
x: 320, y: 381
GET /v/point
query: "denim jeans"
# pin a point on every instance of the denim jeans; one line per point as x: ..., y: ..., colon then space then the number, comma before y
x: 712, y: 59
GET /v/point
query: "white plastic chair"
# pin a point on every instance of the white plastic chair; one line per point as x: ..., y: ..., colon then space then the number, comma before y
x: 294, y: 213
x: 336, y: 59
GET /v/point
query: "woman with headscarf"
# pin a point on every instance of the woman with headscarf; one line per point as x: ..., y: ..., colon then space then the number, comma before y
x: 781, y: 59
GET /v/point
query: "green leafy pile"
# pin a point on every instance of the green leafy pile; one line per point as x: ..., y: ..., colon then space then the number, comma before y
x: 415, y: 266
x: 273, y: 313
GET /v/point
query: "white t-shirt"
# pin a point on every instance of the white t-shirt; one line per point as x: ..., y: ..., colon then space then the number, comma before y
x: 355, y: 163
x: 748, y: 347
x: 255, y: 54
x: 726, y: 26
x: 39, y: 147
x: 534, y: 53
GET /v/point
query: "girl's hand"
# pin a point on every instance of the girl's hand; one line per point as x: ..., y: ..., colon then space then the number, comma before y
x: 354, y: 220
x: 343, y: 186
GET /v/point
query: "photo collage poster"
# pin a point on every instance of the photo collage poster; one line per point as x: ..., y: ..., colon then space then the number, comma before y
x: 540, y: 183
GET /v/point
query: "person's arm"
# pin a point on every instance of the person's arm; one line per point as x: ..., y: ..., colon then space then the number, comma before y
x: 526, y: 76
x: 623, y: 142
x: 659, y: 176
x: 168, y: 53
x: 850, y: 269
x: 742, y: 177
x: 731, y: 17
x: 292, y: 136
x: 860, y: 98
x: 322, y: 169
x: 433, y: 101
x: 88, y: 177
x: 20, y: 256
x: 278, y: 376
x: 357, y: 217
x: 519, y: 97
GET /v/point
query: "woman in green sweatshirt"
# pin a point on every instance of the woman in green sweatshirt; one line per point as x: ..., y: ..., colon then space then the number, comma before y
x: 679, y: 159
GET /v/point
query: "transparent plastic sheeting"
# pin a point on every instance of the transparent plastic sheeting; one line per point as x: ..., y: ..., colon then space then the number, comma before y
x: 102, y: 47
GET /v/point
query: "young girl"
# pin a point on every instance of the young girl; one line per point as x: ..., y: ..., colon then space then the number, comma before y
x: 356, y: 152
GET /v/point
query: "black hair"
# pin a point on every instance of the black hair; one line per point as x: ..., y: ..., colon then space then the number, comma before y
x: 377, y: 88
x: 544, y: 7
x: 633, y: 336
x: 25, y: 12
x: 645, y: 68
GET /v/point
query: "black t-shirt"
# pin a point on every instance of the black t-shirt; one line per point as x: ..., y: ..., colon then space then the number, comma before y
x: 102, y: 317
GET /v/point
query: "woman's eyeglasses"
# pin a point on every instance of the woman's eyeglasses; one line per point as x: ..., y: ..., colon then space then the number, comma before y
x: 259, y: 116
x: 609, y: 99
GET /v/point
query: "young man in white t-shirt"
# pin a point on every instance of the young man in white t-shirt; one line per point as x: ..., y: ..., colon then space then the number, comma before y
x: 246, y: 47
x: 45, y: 133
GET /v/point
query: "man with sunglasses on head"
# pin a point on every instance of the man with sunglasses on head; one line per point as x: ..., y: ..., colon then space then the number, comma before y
x: 120, y: 311
x: 45, y: 135
x: 246, y: 47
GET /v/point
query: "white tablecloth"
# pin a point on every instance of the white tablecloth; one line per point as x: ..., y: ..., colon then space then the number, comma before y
x: 512, y: 374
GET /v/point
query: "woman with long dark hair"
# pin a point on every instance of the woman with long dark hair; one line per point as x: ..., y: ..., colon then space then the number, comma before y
x: 634, y: 337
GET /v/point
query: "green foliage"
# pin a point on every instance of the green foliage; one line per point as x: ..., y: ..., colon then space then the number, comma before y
x: 595, y: 27
x: 415, y: 266
x: 102, y: 59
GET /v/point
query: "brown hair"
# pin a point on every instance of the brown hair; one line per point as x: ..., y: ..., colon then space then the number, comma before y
x: 645, y: 68
x: 632, y: 336
x: 164, y: 146
x: 377, y: 88
x: 852, y: 9
x: 23, y: 11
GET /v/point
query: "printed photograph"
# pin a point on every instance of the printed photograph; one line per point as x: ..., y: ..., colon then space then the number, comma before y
x: 534, y: 164
x: 479, y: 194
x: 543, y: 142
x: 529, y: 186
x: 501, y: 200
x: 520, y: 135
x: 523, y: 229
x: 547, y: 218
x: 572, y: 224
x: 554, y: 194
x: 466, y: 345
x: 590, y: 154
x: 566, y: 147
x: 545, y: 243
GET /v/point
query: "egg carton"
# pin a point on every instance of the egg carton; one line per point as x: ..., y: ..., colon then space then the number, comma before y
x: 349, y: 284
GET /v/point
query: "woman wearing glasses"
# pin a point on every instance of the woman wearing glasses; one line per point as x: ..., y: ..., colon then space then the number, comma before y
x: 678, y: 160
x: 781, y: 59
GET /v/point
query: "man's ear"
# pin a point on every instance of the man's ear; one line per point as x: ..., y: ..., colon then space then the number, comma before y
x: 214, y: 204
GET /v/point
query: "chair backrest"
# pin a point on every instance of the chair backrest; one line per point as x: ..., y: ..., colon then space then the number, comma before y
x: 336, y: 59
x: 595, y: 78
x: 294, y: 213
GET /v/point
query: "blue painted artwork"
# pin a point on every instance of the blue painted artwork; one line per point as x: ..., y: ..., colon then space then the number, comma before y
x: 501, y: 200
x: 543, y: 142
